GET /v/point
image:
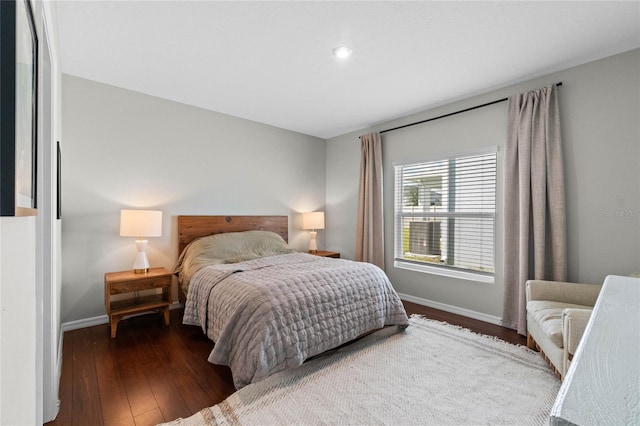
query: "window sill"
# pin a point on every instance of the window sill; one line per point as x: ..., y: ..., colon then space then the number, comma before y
x: 470, y: 276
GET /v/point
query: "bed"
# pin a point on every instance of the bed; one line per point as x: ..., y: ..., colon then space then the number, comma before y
x: 267, y: 307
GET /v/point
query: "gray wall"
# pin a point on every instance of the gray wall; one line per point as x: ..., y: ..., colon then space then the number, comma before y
x: 600, y: 112
x: 123, y: 149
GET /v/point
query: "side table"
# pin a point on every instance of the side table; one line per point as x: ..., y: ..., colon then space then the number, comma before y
x: 128, y: 282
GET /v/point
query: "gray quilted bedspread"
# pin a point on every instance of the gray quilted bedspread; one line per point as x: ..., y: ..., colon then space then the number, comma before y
x: 271, y: 314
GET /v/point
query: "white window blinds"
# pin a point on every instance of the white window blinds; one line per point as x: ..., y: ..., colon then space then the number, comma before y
x: 445, y: 212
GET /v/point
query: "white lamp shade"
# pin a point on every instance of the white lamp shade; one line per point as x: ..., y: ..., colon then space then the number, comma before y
x: 140, y: 223
x: 313, y: 220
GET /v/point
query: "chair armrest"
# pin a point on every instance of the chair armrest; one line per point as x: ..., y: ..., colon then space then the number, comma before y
x: 559, y: 291
x: 574, y: 321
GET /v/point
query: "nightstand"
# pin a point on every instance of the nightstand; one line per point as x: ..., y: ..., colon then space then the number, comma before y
x: 323, y: 253
x: 129, y: 282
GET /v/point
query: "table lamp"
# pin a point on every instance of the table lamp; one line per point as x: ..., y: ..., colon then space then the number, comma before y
x: 141, y: 224
x: 313, y: 221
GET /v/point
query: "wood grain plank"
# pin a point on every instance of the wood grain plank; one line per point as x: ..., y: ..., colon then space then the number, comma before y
x: 113, y: 396
x: 167, y: 395
x: 149, y: 418
x: 86, y: 395
x: 171, y: 353
x: 139, y: 393
x: 216, y: 380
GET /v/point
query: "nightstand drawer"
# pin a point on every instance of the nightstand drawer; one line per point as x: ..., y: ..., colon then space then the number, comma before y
x: 147, y: 283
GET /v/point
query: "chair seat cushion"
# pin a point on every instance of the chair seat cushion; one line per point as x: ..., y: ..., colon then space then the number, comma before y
x: 548, y: 315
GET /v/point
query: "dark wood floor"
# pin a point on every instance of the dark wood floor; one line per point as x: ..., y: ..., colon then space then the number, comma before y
x: 151, y: 373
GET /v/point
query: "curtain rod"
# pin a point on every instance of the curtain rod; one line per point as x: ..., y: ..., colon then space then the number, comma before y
x: 452, y: 113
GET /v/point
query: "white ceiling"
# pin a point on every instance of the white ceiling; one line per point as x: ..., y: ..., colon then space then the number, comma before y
x: 271, y: 62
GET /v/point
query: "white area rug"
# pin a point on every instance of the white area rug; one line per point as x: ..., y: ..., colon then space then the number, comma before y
x: 430, y: 373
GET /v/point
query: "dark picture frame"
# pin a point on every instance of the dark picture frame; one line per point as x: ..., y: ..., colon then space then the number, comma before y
x: 18, y: 108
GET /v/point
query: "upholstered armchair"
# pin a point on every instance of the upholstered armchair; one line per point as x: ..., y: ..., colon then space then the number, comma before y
x: 557, y: 314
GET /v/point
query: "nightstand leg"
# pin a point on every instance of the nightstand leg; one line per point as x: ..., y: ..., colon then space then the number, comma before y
x: 114, y: 325
x: 166, y: 315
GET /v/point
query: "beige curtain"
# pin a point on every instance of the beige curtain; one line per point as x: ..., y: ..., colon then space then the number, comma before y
x: 369, y: 228
x: 534, y: 202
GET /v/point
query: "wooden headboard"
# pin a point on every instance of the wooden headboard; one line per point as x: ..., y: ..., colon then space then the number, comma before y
x: 192, y: 227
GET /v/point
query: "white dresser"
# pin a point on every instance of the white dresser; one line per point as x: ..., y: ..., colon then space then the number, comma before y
x: 602, y: 386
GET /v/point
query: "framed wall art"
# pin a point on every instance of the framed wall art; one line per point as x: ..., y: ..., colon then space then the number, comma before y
x: 18, y: 108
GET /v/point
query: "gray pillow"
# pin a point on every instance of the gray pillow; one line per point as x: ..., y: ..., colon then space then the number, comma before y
x: 231, y: 247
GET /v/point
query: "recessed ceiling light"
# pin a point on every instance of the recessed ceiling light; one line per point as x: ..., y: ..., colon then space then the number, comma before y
x: 342, y: 52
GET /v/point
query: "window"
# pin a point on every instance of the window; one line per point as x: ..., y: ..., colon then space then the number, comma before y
x: 445, y: 215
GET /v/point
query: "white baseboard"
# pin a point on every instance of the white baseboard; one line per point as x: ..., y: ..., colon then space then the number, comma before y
x: 452, y: 309
x: 84, y: 323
